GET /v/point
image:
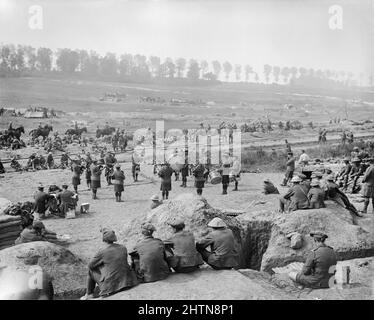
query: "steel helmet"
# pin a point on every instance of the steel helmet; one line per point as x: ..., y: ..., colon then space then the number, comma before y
x: 217, y: 223
x: 296, y: 179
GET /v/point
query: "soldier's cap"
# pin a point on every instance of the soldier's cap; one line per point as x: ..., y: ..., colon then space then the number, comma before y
x: 155, y: 198
x: 318, y: 235
x: 346, y: 159
x: 148, y: 226
x: 330, y: 178
x: 177, y: 223
x: 296, y: 179
x: 118, y: 165
x: 38, y: 225
x: 267, y: 180
x: 40, y: 187
x: 217, y: 223
x: 108, y: 235
x: 65, y: 186
x: 314, y: 183
x: 356, y: 160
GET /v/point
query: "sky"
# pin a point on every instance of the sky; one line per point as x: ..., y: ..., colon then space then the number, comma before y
x: 275, y: 32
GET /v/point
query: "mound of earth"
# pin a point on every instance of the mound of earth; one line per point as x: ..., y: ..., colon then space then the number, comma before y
x: 205, y: 284
x: 193, y: 209
x: 67, y: 271
x: 267, y: 244
x: 4, y: 204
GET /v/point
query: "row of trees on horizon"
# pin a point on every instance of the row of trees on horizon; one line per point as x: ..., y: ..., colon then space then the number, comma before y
x: 22, y: 60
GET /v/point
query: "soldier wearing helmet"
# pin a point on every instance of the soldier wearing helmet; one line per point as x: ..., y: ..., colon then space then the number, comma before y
x: 296, y: 197
x: 223, y: 253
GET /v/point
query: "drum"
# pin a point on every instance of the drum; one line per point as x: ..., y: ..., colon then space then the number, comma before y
x: 176, y: 162
x: 215, y: 177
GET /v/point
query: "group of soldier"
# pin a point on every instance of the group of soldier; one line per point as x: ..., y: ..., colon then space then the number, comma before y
x: 309, y: 190
x: 153, y: 259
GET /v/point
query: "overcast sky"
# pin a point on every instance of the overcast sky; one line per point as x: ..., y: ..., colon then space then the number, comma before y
x: 276, y: 32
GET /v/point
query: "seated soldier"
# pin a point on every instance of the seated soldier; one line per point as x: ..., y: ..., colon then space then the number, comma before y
x: 35, y: 232
x: 156, y: 201
x: 181, y: 249
x: 269, y: 187
x: 109, y: 268
x: 319, y: 268
x: 316, y: 196
x: 68, y: 200
x: 296, y: 197
x: 222, y: 254
x: 149, y: 256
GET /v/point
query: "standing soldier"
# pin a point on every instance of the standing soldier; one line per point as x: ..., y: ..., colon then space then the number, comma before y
x: 368, y: 181
x: 236, y: 168
x: 95, y: 178
x: 165, y: 174
x: 77, y: 171
x: 118, y: 177
x: 184, y: 172
x: 288, y: 146
x: 343, y: 138
x: 135, y: 168
x: 225, y: 172
x: 198, y: 173
x: 64, y: 160
x: 88, y: 175
x: 50, y: 161
x: 319, y: 266
x: 110, y: 160
x: 290, y: 168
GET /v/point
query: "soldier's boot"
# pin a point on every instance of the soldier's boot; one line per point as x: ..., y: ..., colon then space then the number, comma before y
x: 236, y: 187
x: 119, y: 198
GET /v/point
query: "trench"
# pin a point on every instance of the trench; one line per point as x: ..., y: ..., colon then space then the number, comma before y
x: 254, y: 244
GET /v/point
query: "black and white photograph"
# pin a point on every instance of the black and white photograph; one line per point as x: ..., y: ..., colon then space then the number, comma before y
x: 175, y: 151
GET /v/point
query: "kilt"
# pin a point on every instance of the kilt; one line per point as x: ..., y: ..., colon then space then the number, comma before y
x: 368, y: 191
x: 95, y: 184
x: 225, y: 179
x: 118, y: 188
x: 199, y: 183
x: 165, y: 186
x: 76, y: 181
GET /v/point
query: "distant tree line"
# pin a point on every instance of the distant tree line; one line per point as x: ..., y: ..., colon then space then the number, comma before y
x: 26, y: 60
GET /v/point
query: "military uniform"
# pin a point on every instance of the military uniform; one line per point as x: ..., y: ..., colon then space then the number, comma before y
x: 316, y: 198
x: 151, y: 265
x: 110, y: 270
x: 297, y: 196
x: 368, y: 190
x: 68, y: 201
x: 318, y: 268
x: 95, y: 179
x: 77, y: 171
x: 40, y: 205
x: 185, y: 173
x: 223, y: 254
x: 165, y: 173
x: 29, y: 235
x: 198, y: 173
x: 185, y: 257
x: 118, y: 178
x: 289, y: 170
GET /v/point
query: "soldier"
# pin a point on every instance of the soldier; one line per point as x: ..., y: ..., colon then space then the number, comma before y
x: 77, y: 170
x: 68, y: 200
x: 368, y: 181
x: 50, y: 161
x: 223, y: 253
x: 319, y: 268
x: 110, y: 160
x: 355, y: 153
x: 118, y: 177
x: 109, y: 268
x: 149, y: 256
x: 135, y: 168
x: 363, y: 154
x: 155, y: 201
x: 88, y: 175
x: 165, y: 174
x: 354, y: 174
x: 40, y: 203
x: 236, y: 167
x: 198, y: 173
x: 344, y: 173
x: 95, y: 178
x: 304, y: 158
x: 181, y: 251
x: 290, y: 168
x: 184, y: 172
x: 64, y: 160
x: 288, y: 146
x: 316, y: 196
x: 2, y: 170
x: 343, y: 138
x: 35, y: 233
x: 296, y: 197
x: 225, y: 172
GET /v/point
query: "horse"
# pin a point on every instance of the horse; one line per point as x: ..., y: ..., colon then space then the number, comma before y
x: 77, y: 132
x: 44, y: 132
x: 16, y: 133
x: 105, y: 132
